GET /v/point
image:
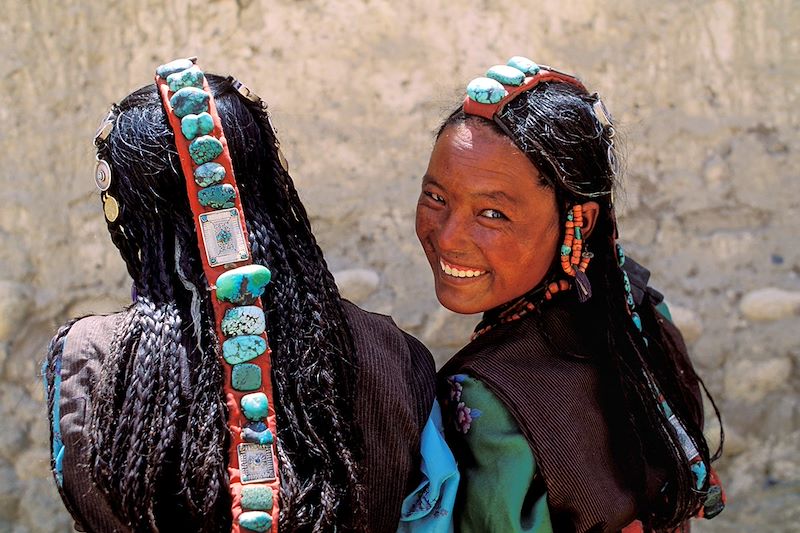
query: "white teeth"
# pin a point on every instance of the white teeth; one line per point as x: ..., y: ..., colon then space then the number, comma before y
x: 456, y: 273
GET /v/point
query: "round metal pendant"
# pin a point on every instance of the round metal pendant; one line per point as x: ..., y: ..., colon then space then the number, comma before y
x: 283, y: 161
x: 102, y: 175
x: 110, y: 207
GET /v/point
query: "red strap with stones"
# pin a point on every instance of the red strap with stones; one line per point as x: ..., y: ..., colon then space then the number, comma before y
x: 488, y: 111
x: 236, y: 418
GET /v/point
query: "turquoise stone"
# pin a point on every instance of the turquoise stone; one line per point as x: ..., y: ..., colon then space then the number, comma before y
x: 626, y: 281
x: 246, y: 377
x: 578, y: 233
x: 257, y: 437
x: 629, y: 299
x: 195, y: 125
x: 245, y: 320
x: 209, y: 174
x: 636, y: 321
x: 524, y: 64
x: 486, y: 91
x: 699, y: 470
x: 243, y: 348
x: 506, y: 75
x: 256, y: 498
x: 189, y: 100
x: 217, y: 196
x: 205, y: 149
x: 255, y: 406
x: 241, y: 286
x: 565, y: 250
x: 255, y: 521
x: 172, y: 67
x: 191, y: 77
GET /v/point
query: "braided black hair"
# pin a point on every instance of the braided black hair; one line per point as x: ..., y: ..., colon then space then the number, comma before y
x: 555, y: 125
x: 158, y: 433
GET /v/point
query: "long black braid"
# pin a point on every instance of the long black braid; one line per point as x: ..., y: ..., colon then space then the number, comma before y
x: 555, y: 126
x: 158, y: 433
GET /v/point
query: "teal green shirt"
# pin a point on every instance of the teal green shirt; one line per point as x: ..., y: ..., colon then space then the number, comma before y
x: 497, y: 468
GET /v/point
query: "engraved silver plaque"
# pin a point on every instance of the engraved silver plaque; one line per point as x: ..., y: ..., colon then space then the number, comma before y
x: 223, y: 237
x: 256, y: 464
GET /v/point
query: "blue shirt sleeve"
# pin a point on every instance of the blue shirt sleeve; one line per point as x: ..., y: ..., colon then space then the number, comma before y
x: 429, y: 508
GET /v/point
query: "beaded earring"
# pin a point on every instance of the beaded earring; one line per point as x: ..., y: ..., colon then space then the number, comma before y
x: 574, y: 258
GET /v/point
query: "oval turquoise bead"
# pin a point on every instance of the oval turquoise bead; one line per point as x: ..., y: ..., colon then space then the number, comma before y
x: 506, y: 75
x: 256, y: 498
x: 209, y: 174
x: 637, y: 321
x: 626, y: 281
x: 578, y: 233
x: 217, y: 196
x: 486, y: 91
x: 205, y: 149
x: 524, y: 64
x: 257, y: 437
x: 565, y: 250
x: 241, y: 286
x: 189, y: 100
x: 245, y: 320
x: 165, y: 70
x: 246, y: 377
x: 243, y: 348
x: 255, y: 406
x: 195, y: 125
x: 191, y: 77
x: 255, y: 521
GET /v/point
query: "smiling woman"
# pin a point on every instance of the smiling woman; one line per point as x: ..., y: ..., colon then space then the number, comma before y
x: 486, y: 219
x: 575, y: 407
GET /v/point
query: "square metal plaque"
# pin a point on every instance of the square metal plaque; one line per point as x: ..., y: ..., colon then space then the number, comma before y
x: 256, y: 464
x: 223, y: 237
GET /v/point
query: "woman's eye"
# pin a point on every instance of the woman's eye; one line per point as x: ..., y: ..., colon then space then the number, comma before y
x: 493, y: 213
x: 435, y: 197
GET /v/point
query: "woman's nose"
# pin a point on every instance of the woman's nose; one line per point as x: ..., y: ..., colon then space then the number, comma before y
x: 452, y: 234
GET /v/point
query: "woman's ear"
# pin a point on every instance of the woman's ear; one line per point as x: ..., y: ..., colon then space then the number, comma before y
x: 590, y: 212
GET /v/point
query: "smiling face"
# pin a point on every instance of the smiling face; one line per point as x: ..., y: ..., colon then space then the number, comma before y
x: 487, y: 225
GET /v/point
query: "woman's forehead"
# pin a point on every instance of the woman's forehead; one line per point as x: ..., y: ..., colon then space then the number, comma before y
x: 474, y: 147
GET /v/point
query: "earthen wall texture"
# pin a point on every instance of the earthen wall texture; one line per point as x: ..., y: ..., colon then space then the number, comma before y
x: 705, y: 95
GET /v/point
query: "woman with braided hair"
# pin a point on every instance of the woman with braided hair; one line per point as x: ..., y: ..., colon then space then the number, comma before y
x: 574, y: 408
x: 139, y: 402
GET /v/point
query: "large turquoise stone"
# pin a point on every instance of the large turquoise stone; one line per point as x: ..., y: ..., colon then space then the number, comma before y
x: 255, y: 406
x: 256, y: 498
x: 506, y: 75
x: 245, y: 320
x: 209, y: 174
x: 257, y: 436
x: 217, y: 196
x: 486, y: 90
x: 172, y: 67
x: 255, y: 521
x: 205, y: 149
x: 241, y: 286
x: 524, y: 64
x: 195, y: 125
x: 246, y: 377
x: 191, y: 77
x: 189, y: 100
x: 243, y: 348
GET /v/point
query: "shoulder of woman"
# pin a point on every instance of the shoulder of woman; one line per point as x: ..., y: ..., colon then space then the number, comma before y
x: 377, y: 331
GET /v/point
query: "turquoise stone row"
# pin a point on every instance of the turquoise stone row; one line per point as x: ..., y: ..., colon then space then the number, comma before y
x: 491, y: 89
x: 190, y: 103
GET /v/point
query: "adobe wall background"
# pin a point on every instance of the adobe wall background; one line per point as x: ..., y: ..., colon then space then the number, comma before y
x: 705, y: 93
